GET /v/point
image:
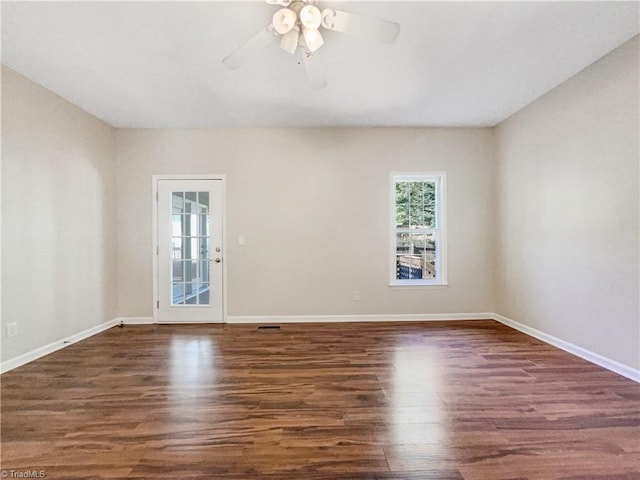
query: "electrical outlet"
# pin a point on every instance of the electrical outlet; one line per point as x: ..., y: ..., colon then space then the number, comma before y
x: 241, y: 240
x: 12, y: 329
x: 356, y: 296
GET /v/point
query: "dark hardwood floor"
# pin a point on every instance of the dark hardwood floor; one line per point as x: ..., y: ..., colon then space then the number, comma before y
x: 406, y: 401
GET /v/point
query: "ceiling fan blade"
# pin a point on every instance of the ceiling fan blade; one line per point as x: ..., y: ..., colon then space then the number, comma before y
x: 260, y: 40
x: 359, y: 26
x: 314, y: 68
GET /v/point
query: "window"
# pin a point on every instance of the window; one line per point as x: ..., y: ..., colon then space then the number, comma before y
x: 418, y: 240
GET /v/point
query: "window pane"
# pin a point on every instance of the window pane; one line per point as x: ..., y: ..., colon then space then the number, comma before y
x: 191, y: 201
x: 177, y: 297
x: 190, y: 270
x: 195, y: 247
x: 402, y: 243
x: 416, y: 193
x: 177, y: 202
x: 190, y: 293
x: 429, y: 193
x: 416, y: 217
x: 189, y: 248
x: 402, y: 192
x: 176, y: 225
x: 177, y: 271
x: 204, y: 270
x: 424, y: 247
x: 203, y: 225
x: 176, y: 248
x: 402, y: 216
x: 203, y: 248
x: 190, y: 225
x: 408, y: 267
x: 429, y: 216
x: 403, y: 257
x: 203, y: 202
x: 417, y: 256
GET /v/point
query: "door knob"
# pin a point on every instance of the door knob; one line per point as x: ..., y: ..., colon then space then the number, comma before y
x: 218, y: 260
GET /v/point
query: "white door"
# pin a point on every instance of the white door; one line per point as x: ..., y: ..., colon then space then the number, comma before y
x: 189, y: 251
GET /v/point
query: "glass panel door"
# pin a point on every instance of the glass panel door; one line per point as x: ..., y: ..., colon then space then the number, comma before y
x: 189, y: 251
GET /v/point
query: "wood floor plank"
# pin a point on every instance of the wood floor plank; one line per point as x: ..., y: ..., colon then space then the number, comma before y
x: 469, y: 400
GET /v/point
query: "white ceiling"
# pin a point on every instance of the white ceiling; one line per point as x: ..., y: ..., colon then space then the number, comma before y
x: 158, y: 64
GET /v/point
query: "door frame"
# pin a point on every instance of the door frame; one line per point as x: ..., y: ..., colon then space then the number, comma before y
x: 154, y: 226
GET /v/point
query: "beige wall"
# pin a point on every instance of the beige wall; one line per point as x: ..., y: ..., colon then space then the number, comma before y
x: 568, y: 210
x: 543, y: 214
x: 313, y: 207
x: 58, y: 217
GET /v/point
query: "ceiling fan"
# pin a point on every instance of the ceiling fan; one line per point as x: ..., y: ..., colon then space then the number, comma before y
x: 298, y: 22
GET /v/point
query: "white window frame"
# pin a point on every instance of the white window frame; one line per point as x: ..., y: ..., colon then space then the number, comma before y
x: 440, y: 230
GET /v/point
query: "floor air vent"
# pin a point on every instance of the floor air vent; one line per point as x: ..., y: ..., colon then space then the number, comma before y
x: 268, y: 327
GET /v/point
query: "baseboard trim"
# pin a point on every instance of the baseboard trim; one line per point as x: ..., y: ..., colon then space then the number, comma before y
x: 403, y: 317
x: 54, y: 346
x: 134, y: 320
x: 616, y: 367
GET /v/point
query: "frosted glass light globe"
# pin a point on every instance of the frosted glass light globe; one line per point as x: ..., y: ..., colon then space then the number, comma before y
x: 310, y: 17
x: 284, y: 20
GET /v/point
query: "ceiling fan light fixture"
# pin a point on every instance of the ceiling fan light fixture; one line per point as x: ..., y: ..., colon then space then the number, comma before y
x: 298, y: 23
x: 284, y: 20
x: 310, y: 17
x: 312, y: 38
